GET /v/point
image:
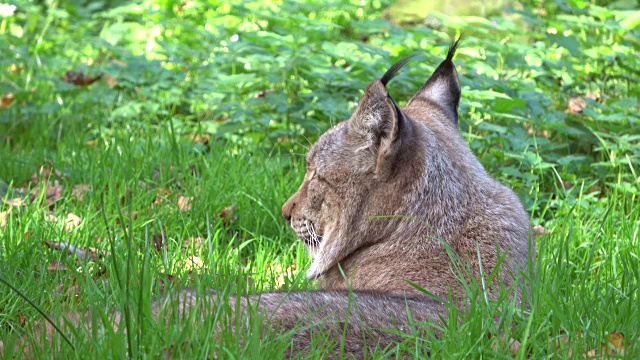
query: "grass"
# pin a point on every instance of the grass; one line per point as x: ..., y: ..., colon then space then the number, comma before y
x: 159, y: 185
x: 587, y: 266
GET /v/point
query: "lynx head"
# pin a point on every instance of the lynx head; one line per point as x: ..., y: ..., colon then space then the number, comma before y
x: 377, y: 163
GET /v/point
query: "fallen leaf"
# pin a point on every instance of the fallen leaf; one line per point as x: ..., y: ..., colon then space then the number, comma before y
x: 57, y: 266
x: 22, y: 319
x: 192, y: 263
x: 199, y: 138
x: 3, y: 218
x: 196, y: 242
x: 228, y: 214
x: 186, y: 4
x: 514, y: 346
x: 45, y: 172
x: 184, y: 203
x: 158, y: 242
x: 15, y: 202
x: 162, y: 193
x: 169, y: 279
x: 577, y: 104
x: 80, y: 79
x: 538, y: 231
x: 6, y: 100
x: 262, y: 93
x: 280, y: 273
x: 111, y: 81
x: 79, y: 190
x: 72, y: 221
x: 615, y: 344
x: 52, y: 193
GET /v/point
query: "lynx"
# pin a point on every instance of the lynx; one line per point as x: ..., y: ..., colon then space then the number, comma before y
x: 389, y: 195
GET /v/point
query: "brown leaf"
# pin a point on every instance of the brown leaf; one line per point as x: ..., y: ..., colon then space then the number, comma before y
x: 6, y: 100
x: 163, y: 282
x: 57, y: 266
x: 79, y: 190
x: 280, y: 273
x: 538, y: 231
x: 163, y: 193
x: 4, y: 216
x: 53, y: 192
x: 192, y: 263
x: 182, y: 6
x: 196, y: 242
x: 80, y: 79
x: 158, y: 242
x: 111, y: 81
x: 615, y: 344
x: 184, y: 203
x: 228, y: 214
x: 199, y: 138
x: 45, y: 172
x: 577, y: 104
x: 15, y: 202
x: 72, y: 221
x: 22, y: 319
x: 118, y: 62
x: 262, y: 93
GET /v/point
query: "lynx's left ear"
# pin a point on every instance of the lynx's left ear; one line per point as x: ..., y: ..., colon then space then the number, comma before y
x: 443, y: 87
x: 377, y: 126
x: 374, y: 128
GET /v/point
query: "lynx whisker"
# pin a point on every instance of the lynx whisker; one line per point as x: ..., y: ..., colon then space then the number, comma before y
x: 314, y: 238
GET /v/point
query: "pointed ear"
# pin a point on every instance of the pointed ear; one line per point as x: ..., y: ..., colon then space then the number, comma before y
x: 443, y: 87
x: 374, y: 128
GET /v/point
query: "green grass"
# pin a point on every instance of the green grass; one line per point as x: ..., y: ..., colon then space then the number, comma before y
x: 133, y: 145
x: 587, y: 268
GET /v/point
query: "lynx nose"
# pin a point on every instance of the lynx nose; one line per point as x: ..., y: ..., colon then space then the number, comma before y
x: 287, y: 209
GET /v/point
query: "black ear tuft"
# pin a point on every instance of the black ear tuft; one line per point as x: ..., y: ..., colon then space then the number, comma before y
x: 453, y: 48
x: 393, y: 70
x: 442, y: 89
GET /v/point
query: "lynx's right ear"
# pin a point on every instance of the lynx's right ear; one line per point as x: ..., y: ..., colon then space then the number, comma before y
x: 443, y: 87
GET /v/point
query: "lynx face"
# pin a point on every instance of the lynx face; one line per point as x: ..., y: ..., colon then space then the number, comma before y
x: 315, y: 210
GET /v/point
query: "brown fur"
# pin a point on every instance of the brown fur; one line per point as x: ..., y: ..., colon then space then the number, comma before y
x: 385, y: 193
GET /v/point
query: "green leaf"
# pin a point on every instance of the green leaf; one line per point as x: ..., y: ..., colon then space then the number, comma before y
x: 568, y: 42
